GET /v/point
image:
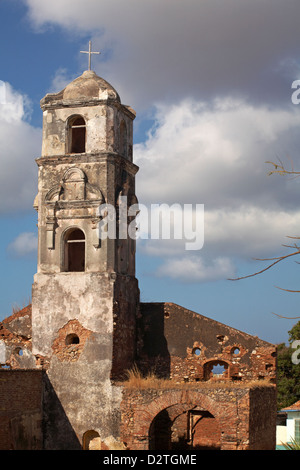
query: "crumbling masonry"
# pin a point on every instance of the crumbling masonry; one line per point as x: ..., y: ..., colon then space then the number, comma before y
x: 63, y: 382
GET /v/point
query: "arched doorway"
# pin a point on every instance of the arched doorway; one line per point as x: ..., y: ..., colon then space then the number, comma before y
x: 160, y: 432
x: 180, y: 428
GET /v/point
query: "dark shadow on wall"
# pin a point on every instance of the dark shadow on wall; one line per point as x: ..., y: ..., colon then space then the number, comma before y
x: 181, y: 433
x: 58, y: 433
x: 160, y: 432
x: 153, y: 354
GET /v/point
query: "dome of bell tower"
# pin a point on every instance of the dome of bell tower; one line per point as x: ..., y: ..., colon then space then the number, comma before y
x: 88, y: 87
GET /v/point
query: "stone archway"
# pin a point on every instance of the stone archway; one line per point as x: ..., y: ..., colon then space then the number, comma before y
x: 180, y: 427
x: 178, y: 417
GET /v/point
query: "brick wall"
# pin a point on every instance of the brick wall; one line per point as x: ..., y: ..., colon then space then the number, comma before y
x: 233, y: 418
x: 185, y: 346
x: 262, y: 414
x: 20, y: 409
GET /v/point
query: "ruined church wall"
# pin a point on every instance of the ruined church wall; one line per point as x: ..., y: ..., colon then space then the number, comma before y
x: 185, y: 346
x: 21, y: 409
x: 241, y: 418
x: 262, y: 418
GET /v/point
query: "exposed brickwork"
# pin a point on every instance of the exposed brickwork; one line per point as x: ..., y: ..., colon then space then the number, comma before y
x: 224, y: 418
x: 20, y: 409
x: 70, y: 341
x: 185, y: 346
x: 262, y: 412
x: 15, y: 333
x: 17, y: 328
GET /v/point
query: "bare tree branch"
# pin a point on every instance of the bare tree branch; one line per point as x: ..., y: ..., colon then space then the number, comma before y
x: 282, y: 316
x: 288, y: 290
x: 281, y: 170
x: 278, y: 259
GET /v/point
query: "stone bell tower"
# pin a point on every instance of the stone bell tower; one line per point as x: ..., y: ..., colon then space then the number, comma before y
x: 85, y: 295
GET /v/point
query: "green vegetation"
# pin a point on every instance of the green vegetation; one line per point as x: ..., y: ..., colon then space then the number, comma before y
x: 293, y: 445
x: 288, y: 373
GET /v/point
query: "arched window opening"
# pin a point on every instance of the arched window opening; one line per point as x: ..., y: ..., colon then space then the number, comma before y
x: 74, y: 251
x: 77, y: 132
x: 18, y: 351
x: 235, y: 351
x: 216, y: 370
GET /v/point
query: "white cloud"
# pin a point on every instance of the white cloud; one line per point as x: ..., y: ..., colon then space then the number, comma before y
x: 20, y: 144
x: 162, y: 50
x: 243, y: 232
x: 195, y: 269
x: 60, y: 80
x: 216, y: 154
x: 24, y: 244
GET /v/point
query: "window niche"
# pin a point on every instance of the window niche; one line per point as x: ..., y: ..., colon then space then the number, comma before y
x: 72, y: 338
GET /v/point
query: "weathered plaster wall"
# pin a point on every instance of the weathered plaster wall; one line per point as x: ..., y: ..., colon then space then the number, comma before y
x: 100, y: 310
x: 59, y: 298
x: 99, y: 104
x: 71, y: 191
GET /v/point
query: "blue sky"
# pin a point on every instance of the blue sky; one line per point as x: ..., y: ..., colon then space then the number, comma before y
x: 211, y: 85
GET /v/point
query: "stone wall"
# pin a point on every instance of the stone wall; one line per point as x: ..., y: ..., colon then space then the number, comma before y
x: 186, y: 346
x: 21, y: 409
x: 262, y: 412
x: 233, y: 418
x: 15, y: 341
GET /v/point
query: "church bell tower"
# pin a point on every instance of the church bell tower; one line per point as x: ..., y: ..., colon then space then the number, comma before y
x: 85, y: 296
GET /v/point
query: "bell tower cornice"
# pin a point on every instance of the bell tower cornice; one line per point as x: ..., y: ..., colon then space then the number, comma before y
x: 111, y: 157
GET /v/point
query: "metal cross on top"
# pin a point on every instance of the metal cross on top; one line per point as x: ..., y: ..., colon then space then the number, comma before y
x: 89, y: 52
